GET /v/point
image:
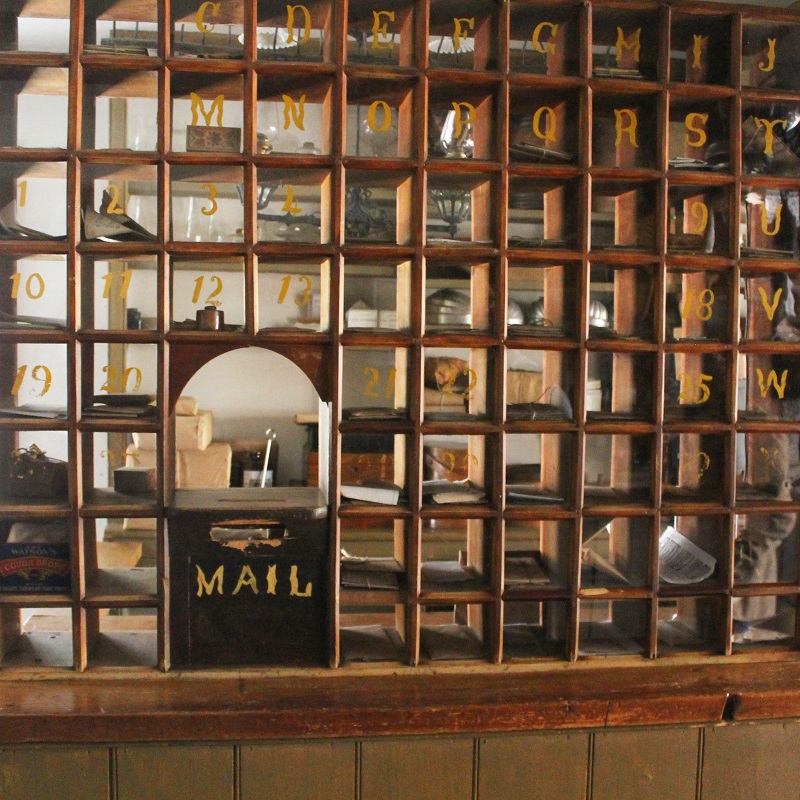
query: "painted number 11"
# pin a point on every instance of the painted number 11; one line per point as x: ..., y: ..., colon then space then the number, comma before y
x: 109, y: 278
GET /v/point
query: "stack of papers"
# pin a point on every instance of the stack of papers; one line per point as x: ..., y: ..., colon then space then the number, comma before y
x: 359, y: 572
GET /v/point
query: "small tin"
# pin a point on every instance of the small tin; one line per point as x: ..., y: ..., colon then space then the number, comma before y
x: 210, y: 318
x: 200, y: 138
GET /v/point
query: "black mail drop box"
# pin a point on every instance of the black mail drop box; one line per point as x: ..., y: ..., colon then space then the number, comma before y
x: 248, y: 577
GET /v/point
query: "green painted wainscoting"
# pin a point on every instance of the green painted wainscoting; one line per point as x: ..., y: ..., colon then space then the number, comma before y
x: 743, y: 761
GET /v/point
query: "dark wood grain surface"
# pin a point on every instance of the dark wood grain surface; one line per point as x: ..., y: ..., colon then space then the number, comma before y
x: 252, y: 705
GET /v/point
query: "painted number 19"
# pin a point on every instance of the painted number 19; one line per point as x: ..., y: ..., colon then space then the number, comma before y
x: 39, y: 373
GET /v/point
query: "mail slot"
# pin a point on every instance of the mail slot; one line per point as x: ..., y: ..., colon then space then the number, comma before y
x: 248, y: 577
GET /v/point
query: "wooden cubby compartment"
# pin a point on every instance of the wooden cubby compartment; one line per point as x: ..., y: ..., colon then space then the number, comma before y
x: 542, y: 251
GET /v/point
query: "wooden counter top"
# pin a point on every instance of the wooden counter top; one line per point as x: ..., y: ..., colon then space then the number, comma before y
x: 112, y: 707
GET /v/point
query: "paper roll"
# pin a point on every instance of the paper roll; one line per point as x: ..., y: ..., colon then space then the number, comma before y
x: 191, y: 433
x: 523, y: 386
x: 186, y: 406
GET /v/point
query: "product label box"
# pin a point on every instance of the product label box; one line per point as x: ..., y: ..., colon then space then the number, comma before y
x: 34, y: 568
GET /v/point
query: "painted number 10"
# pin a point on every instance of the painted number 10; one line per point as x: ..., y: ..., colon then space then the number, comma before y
x: 34, y: 286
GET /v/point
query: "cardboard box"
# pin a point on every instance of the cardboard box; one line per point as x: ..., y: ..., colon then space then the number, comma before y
x: 204, y: 469
x: 387, y: 319
x: 134, y: 480
x: 361, y: 318
x: 194, y: 469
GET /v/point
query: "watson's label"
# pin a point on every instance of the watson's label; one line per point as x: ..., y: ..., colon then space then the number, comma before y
x: 34, y: 568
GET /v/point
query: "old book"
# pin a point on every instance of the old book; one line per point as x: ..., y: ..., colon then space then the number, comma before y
x: 450, y: 572
x: 452, y: 492
x: 387, y: 494
x: 525, y: 569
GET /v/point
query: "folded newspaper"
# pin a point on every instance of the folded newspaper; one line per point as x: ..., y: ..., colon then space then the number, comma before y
x: 681, y: 560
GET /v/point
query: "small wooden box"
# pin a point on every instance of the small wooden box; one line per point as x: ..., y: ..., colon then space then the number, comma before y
x: 134, y: 480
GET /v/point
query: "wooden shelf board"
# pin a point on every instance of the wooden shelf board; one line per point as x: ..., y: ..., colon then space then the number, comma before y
x: 35, y: 600
x: 124, y: 649
x: 123, y: 587
x: 246, y: 705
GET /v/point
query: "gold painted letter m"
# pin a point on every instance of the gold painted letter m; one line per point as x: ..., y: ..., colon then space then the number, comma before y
x: 207, y: 586
x: 198, y: 107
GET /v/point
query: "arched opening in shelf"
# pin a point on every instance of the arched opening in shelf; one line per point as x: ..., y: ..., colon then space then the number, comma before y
x: 259, y: 414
